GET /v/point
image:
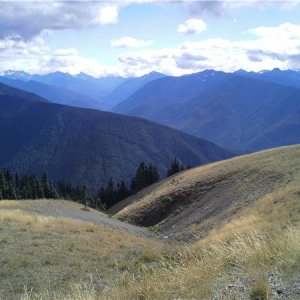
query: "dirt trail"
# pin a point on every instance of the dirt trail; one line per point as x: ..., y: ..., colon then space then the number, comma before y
x: 67, y: 209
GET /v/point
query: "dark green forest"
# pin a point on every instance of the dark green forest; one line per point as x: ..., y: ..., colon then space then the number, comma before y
x: 14, y: 186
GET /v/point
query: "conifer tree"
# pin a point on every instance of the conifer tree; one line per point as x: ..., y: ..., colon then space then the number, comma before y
x: 85, y: 196
x: 175, y: 167
x: 48, y: 187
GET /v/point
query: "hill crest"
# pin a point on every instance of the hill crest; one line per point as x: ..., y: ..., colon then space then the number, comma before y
x: 193, y: 202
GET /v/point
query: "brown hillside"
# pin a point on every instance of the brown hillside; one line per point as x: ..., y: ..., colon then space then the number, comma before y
x: 191, y: 203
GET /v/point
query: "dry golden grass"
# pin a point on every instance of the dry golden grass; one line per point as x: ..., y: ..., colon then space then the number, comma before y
x: 265, y: 239
x: 233, y: 262
x: 81, y: 261
x: 214, y: 193
x: 48, y: 253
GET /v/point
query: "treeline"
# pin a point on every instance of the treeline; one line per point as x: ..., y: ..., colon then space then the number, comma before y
x: 114, y: 193
x: 13, y: 186
x: 145, y: 176
x: 25, y: 187
x: 30, y: 187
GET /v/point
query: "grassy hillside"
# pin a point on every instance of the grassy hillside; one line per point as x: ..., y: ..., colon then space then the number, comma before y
x: 40, y: 252
x: 88, y: 146
x: 190, y: 204
x: 255, y: 254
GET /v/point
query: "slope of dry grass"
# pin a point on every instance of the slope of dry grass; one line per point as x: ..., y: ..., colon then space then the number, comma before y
x: 255, y: 254
x: 47, y: 253
x: 237, y: 261
x: 188, y: 205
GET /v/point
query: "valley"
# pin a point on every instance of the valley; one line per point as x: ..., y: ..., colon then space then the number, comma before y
x: 246, y: 247
x: 220, y: 220
x: 242, y: 111
x: 88, y: 147
x: 150, y: 150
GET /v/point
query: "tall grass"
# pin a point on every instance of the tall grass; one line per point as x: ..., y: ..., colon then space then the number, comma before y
x: 233, y: 262
x: 45, y: 256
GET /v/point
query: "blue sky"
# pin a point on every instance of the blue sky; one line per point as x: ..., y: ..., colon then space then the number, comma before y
x: 134, y: 37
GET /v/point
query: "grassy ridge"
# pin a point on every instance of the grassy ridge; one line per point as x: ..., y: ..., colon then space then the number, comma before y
x: 237, y: 261
x: 190, y: 204
x: 254, y: 255
x: 233, y: 262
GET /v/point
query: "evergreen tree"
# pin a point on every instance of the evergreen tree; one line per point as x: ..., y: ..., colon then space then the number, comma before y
x: 2, y: 184
x: 49, y: 190
x: 111, y: 194
x: 97, y: 202
x: 17, y: 185
x: 85, y: 196
x: 175, y: 167
x: 145, y: 175
x: 29, y: 187
x: 25, y: 188
x: 122, y: 191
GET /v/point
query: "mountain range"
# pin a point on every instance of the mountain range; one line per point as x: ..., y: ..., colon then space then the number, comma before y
x: 88, y: 146
x: 245, y: 111
x: 54, y: 93
x: 287, y: 77
x: 80, y: 90
x: 129, y: 87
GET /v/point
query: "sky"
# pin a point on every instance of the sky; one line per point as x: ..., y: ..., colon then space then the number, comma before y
x: 135, y: 37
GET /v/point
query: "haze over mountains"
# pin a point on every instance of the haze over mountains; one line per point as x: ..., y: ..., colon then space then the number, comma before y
x: 129, y: 87
x: 80, y: 90
x: 244, y: 111
x: 53, y: 93
x: 288, y: 77
x: 88, y: 146
x: 247, y: 112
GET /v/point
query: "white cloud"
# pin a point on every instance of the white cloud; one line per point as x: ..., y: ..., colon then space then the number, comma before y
x: 22, y: 46
x: 265, y: 48
x: 224, y: 7
x: 108, y: 14
x: 29, y: 19
x: 35, y: 56
x: 261, y: 48
x: 192, y: 26
x: 130, y: 42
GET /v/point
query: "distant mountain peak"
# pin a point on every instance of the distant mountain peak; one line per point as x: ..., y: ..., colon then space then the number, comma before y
x: 153, y: 74
x: 83, y: 76
x: 276, y: 70
x: 17, y: 75
x: 61, y: 74
x: 240, y: 71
